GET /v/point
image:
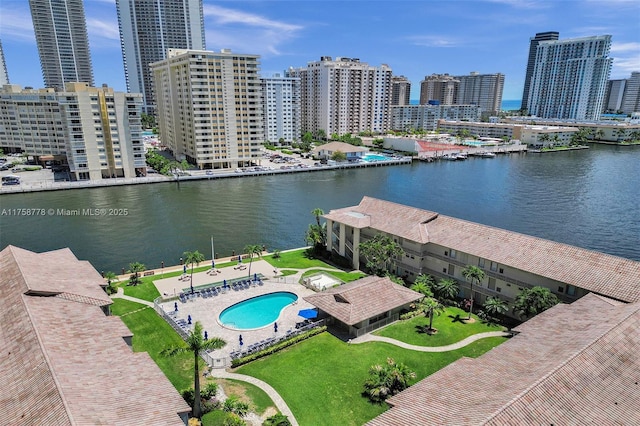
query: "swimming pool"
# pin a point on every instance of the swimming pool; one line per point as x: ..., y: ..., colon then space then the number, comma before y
x: 374, y: 157
x: 256, y: 312
x: 478, y: 143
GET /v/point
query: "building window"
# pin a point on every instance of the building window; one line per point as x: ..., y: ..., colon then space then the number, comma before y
x: 480, y: 262
x: 498, y: 289
x: 494, y: 266
x: 560, y: 289
x: 492, y: 283
x: 452, y: 269
x: 571, y: 290
x: 452, y: 253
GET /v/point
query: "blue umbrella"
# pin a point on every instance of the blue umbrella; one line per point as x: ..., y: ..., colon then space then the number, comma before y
x: 240, y: 340
x: 184, y: 268
x: 275, y: 327
x: 255, y: 277
x: 308, y: 313
x: 225, y: 284
x: 213, y: 264
x: 240, y: 259
x: 206, y: 335
x: 188, y: 319
x: 175, y: 306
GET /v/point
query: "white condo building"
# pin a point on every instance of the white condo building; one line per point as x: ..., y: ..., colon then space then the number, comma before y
x: 281, y: 108
x: 96, y: 131
x: 147, y: 29
x: 209, y: 107
x: 344, y: 96
x: 631, y: 99
x: 484, y: 90
x: 426, y: 117
x: 63, y: 43
x: 570, y: 78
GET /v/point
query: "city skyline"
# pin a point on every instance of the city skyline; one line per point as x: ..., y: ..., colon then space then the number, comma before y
x: 415, y: 39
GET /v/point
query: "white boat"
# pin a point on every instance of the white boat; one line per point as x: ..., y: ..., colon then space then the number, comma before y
x: 485, y: 154
x: 461, y: 156
x: 450, y: 157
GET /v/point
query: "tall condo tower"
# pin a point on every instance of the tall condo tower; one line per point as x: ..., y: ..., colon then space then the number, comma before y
x: 281, y: 108
x: 344, y: 96
x: 63, y: 44
x: 631, y: 99
x: 438, y: 89
x: 4, y: 75
x: 531, y: 61
x: 209, y: 107
x: 147, y: 29
x: 400, y: 91
x: 570, y: 78
x: 484, y: 90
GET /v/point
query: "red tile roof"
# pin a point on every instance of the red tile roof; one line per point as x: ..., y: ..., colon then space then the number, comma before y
x: 362, y: 299
x: 64, y: 362
x: 573, y: 364
x: 604, y: 274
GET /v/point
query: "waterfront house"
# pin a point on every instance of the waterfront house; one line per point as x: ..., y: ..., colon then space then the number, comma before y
x: 353, y: 153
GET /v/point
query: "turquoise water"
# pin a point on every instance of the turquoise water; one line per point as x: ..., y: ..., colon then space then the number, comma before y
x: 477, y: 143
x: 374, y: 157
x: 147, y: 133
x: 256, y: 312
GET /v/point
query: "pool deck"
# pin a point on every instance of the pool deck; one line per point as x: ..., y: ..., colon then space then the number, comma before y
x: 207, y: 310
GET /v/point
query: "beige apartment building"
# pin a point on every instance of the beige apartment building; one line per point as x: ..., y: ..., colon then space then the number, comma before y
x: 209, y: 107
x: 529, y: 134
x: 344, y: 96
x: 96, y: 131
x: 443, y: 246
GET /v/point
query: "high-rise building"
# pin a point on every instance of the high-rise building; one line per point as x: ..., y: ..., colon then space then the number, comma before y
x: 631, y: 98
x: 614, y: 95
x: 96, y: 131
x: 438, y: 89
x: 426, y: 117
x: 484, y: 90
x: 209, y: 107
x: 570, y: 78
x: 281, y: 108
x: 63, y: 44
x: 4, y: 74
x: 344, y: 96
x: 147, y: 29
x: 400, y: 90
x: 531, y: 61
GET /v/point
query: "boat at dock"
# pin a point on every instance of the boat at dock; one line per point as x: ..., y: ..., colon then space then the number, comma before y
x: 484, y: 154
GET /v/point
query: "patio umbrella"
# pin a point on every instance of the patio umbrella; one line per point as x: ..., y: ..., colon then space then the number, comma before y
x: 184, y: 268
x: 255, y: 277
x: 175, y: 306
x: 308, y: 313
x: 240, y: 340
x: 275, y: 327
x: 225, y: 284
x: 240, y: 259
x: 189, y: 319
x: 213, y: 264
x: 206, y: 335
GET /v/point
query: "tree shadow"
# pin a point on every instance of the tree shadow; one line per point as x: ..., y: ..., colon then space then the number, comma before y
x: 424, y: 329
x: 458, y: 318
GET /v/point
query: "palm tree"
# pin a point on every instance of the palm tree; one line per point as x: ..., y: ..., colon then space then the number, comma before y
x: 195, y: 344
x: 472, y: 273
x: 110, y: 277
x: 423, y: 284
x: 532, y: 301
x: 321, y: 134
x: 494, y: 306
x: 447, y: 290
x: 134, y: 269
x: 252, y: 249
x: 429, y: 306
x: 191, y: 257
x: 317, y: 212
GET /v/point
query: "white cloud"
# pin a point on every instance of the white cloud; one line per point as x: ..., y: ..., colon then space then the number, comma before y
x: 17, y: 24
x: 103, y: 29
x: 223, y: 16
x: 625, y: 47
x: 435, y: 41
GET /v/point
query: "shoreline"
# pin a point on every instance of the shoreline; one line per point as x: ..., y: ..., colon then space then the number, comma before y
x: 226, y: 174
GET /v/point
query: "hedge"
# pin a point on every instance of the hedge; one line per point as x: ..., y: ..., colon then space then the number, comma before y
x: 277, y: 347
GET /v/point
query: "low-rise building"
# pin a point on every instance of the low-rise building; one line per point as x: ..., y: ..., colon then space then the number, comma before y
x: 602, y: 130
x: 572, y: 364
x: 65, y: 360
x: 443, y: 246
x: 96, y: 131
x: 326, y: 151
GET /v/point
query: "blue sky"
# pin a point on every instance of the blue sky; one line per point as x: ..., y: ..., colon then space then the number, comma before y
x: 416, y: 38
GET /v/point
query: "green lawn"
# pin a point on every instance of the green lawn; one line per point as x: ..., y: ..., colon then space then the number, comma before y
x: 152, y: 334
x: 324, y: 372
x: 450, y: 329
x: 122, y: 306
x: 297, y: 259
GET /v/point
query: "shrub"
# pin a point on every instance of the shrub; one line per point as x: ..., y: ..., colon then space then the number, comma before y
x: 233, y: 405
x: 278, y: 347
x: 234, y: 420
x: 387, y: 380
x: 277, y: 420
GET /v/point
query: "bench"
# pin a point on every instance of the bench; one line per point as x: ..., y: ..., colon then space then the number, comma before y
x: 147, y: 273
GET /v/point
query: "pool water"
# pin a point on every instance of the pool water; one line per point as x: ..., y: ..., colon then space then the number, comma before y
x: 374, y: 157
x: 256, y: 312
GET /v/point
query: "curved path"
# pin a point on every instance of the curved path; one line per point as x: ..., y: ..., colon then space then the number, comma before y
x: 452, y: 347
x: 275, y: 396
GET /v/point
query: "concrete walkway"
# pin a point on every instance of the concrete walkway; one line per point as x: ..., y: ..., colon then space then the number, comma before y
x: 275, y: 396
x: 120, y: 295
x: 452, y: 347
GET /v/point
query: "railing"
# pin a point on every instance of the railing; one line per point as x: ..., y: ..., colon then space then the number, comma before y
x: 377, y: 324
